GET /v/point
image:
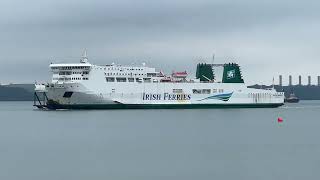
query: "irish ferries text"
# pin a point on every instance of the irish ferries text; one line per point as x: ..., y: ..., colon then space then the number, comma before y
x: 166, y: 96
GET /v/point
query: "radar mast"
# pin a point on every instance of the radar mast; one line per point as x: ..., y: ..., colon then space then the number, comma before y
x: 84, y: 58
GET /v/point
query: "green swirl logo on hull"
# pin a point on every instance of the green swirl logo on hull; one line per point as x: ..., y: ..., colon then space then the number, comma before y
x: 222, y: 97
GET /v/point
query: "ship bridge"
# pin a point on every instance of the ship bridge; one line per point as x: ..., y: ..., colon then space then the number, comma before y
x: 70, y: 72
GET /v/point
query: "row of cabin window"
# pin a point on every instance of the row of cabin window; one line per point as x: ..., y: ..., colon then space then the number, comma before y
x: 69, y: 73
x: 259, y: 95
x: 64, y: 73
x: 120, y: 79
x: 121, y: 69
x: 206, y: 91
x: 70, y: 67
x: 80, y: 78
x: 66, y: 79
x: 84, y: 72
x: 130, y: 74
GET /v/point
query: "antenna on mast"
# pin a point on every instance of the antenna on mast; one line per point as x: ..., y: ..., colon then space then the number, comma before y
x: 84, y: 58
x: 212, y: 67
x: 273, y: 83
x: 213, y: 58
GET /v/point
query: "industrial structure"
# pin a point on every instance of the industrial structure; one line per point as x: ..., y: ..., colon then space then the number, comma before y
x: 299, y: 81
x: 309, y: 80
x: 290, y: 80
x: 280, y: 80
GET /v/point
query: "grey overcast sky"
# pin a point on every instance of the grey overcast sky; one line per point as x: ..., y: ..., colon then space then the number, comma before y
x: 266, y: 38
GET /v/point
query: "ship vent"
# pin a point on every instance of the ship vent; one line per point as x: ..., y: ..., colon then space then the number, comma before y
x: 232, y: 73
x: 205, y: 72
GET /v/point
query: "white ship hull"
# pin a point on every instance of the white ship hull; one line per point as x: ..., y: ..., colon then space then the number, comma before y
x: 159, y: 95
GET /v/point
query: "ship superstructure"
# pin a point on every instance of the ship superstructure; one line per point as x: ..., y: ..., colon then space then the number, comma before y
x: 87, y: 86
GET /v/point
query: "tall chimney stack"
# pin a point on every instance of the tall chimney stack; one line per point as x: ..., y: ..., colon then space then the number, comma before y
x: 280, y: 80
x: 300, y: 81
x: 290, y: 80
x: 309, y: 80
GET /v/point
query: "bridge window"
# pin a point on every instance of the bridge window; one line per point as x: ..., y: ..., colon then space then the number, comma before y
x: 121, y: 79
x: 130, y: 79
x: 139, y: 80
x: 110, y: 79
x: 65, y: 73
x: 147, y: 80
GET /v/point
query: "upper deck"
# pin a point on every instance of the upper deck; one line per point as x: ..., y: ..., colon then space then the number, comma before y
x: 84, y: 71
x: 70, y: 66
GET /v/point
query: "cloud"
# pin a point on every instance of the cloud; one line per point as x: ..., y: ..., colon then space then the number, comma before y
x: 166, y: 34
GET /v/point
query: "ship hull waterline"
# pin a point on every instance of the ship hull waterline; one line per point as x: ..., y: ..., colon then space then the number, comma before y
x: 156, y: 106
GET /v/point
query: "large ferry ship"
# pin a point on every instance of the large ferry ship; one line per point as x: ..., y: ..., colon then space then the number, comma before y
x: 86, y: 86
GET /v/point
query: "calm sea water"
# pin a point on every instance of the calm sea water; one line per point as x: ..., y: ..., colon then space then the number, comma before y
x: 160, y: 144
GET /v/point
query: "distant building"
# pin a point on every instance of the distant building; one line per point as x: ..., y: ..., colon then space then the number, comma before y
x: 318, y: 80
x: 280, y: 80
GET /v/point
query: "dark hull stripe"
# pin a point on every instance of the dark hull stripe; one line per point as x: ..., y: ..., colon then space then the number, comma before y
x: 158, y: 106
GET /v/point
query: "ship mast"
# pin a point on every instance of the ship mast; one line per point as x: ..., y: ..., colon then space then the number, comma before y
x: 84, y: 58
x: 213, y: 58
